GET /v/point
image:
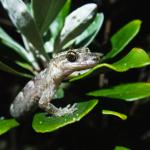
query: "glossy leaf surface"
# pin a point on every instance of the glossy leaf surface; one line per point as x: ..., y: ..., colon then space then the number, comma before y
x: 127, y: 92
x: 7, y: 124
x: 43, y: 123
x: 123, y: 37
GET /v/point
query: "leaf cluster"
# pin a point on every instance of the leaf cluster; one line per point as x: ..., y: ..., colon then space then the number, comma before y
x: 48, y: 28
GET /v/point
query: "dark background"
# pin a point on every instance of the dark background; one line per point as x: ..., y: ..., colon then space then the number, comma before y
x: 94, y: 131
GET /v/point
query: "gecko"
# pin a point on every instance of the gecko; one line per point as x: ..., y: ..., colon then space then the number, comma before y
x: 39, y: 91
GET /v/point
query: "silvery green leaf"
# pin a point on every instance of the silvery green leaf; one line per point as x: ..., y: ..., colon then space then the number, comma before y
x: 76, y: 23
x: 56, y: 27
x: 87, y: 36
x: 22, y: 19
x: 13, y: 45
x: 7, y: 40
x: 90, y: 33
x: 29, y: 6
x: 45, y: 12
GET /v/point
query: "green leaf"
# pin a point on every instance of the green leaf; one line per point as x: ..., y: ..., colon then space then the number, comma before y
x: 22, y: 19
x: 90, y: 33
x: 7, y: 40
x: 76, y: 23
x: 87, y: 36
x: 114, y: 113
x: 7, y: 124
x: 59, y: 93
x: 43, y: 123
x: 56, y: 27
x: 121, y: 148
x: 136, y: 58
x: 29, y: 6
x: 127, y: 92
x: 25, y: 66
x: 8, y: 69
x: 123, y: 37
x: 46, y: 11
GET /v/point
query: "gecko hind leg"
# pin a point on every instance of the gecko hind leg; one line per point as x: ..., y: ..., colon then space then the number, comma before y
x: 51, y: 109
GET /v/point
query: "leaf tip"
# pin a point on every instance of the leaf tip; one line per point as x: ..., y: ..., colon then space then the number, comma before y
x: 138, y: 23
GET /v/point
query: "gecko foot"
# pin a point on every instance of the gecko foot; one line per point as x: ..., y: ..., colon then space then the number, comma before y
x: 66, y: 110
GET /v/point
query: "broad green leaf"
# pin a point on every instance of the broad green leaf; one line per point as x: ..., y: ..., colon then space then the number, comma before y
x: 46, y: 11
x: 56, y: 26
x: 43, y: 123
x: 123, y: 37
x: 8, y: 69
x: 127, y: 92
x: 22, y: 19
x: 121, y: 148
x: 136, y: 58
x: 114, y: 113
x: 87, y: 36
x: 76, y: 23
x: 7, y: 40
x: 7, y: 124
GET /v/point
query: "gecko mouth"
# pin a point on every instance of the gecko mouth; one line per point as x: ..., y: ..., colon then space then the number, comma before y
x: 96, y: 57
x: 82, y: 71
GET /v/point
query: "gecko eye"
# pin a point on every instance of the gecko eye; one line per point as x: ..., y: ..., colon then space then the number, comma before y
x: 72, y: 56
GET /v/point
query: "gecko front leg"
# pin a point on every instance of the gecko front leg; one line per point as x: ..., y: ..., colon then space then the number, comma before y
x: 46, y: 105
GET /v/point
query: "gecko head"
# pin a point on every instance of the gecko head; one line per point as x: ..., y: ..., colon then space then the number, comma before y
x: 77, y: 59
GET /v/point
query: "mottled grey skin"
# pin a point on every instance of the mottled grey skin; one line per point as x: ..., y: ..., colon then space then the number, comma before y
x: 39, y: 91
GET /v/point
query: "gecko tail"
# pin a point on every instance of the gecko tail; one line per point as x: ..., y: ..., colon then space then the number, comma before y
x: 21, y: 106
